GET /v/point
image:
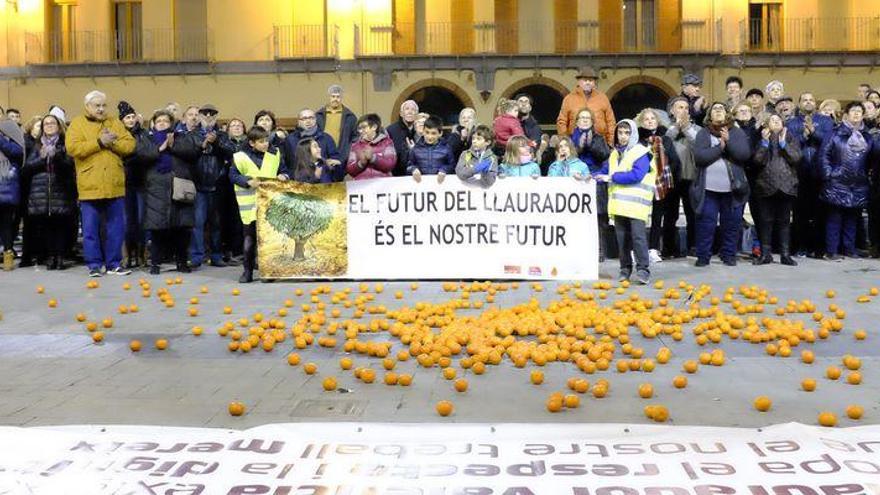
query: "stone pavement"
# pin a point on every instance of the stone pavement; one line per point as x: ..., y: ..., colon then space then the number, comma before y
x: 54, y: 374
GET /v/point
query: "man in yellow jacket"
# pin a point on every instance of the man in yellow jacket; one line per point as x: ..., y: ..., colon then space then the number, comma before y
x: 98, y: 143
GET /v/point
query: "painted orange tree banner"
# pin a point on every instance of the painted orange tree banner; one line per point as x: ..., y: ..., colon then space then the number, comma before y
x: 396, y: 228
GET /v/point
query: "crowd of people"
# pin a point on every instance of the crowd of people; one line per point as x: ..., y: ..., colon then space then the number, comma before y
x: 179, y: 185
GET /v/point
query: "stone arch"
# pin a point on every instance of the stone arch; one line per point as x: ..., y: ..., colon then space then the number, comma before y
x: 514, y: 88
x: 631, y: 95
x: 428, y: 84
x: 653, y: 81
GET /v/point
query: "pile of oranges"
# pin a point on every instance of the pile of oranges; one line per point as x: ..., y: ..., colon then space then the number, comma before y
x: 594, y: 329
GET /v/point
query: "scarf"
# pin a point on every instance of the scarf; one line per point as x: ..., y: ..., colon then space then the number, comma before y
x: 163, y: 164
x: 715, y: 129
x: 49, y: 144
x: 664, y: 181
x: 856, y: 142
x: 303, y: 133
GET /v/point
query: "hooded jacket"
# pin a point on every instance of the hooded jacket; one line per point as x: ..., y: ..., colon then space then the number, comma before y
x: 641, y: 166
x: 52, y: 181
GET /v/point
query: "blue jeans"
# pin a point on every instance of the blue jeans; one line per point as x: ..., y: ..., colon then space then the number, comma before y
x: 103, y: 250
x: 714, y: 205
x: 206, y: 214
x: 841, y: 223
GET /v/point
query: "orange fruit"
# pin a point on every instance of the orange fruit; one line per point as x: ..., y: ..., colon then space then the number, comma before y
x: 53, y: 303
x: 582, y: 386
x: 235, y: 292
x: 329, y: 384
x: 391, y: 378
x: 293, y: 359
x: 203, y: 289
x: 571, y: 401
x: 827, y: 419
x: 554, y: 404
x: 123, y: 309
x: 80, y: 317
x: 854, y: 378
x: 830, y: 294
x: 91, y: 326
x: 854, y: 412
x: 40, y: 289
x: 194, y: 300
x: 852, y: 363
x: 227, y: 310
x: 763, y: 403
x: 236, y: 408
x: 346, y: 363
x: 646, y: 391
x: 404, y: 380
x: 193, y: 311
x: 107, y: 323
x: 600, y: 391
x: 368, y: 375
x: 197, y: 330
x: 478, y: 368
x: 461, y: 385
x: 161, y: 344
x: 233, y: 346
x: 690, y: 366
x: 444, y: 408
x: 245, y: 346
x: 449, y: 373
x: 310, y: 368
x: 98, y: 337
x: 808, y: 385
x: 808, y: 357
x: 680, y: 381
x: 134, y: 345
x: 832, y: 372
x: 874, y: 291
x: 537, y: 377
x: 860, y: 335
x: 661, y: 414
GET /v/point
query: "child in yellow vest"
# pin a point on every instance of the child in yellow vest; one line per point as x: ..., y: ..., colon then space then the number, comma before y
x: 630, y: 195
x: 258, y: 160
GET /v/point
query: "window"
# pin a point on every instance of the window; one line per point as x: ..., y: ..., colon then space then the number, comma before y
x: 61, y: 42
x: 765, y: 25
x: 128, y: 33
x: 639, y: 25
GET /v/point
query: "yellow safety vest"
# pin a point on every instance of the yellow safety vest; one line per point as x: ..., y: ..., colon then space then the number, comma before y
x: 631, y: 200
x: 247, y: 197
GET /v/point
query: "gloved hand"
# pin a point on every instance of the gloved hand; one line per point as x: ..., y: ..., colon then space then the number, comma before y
x: 483, y: 166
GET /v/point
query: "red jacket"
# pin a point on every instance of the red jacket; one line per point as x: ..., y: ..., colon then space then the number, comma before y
x: 505, y: 127
x: 382, y: 163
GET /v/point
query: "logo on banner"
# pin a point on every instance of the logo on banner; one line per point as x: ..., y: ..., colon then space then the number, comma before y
x: 512, y: 269
x: 535, y: 271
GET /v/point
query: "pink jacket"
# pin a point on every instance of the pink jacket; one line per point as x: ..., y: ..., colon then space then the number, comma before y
x: 505, y: 127
x: 382, y: 163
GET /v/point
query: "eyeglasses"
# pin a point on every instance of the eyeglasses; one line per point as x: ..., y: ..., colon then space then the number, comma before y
x: 308, y: 117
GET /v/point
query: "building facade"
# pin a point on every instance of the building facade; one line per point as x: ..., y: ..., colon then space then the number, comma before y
x: 446, y: 54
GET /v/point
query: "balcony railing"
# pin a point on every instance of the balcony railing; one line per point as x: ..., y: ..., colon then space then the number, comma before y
x: 306, y: 41
x: 811, y: 35
x: 74, y: 47
x: 535, y: 37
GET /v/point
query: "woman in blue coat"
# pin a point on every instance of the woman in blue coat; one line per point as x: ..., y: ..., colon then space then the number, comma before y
x: 11, y: 157
x: 844, y: 159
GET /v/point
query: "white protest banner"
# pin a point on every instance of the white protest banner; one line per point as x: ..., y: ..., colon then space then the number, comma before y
x: 441, y: 459
x: 518, y: 228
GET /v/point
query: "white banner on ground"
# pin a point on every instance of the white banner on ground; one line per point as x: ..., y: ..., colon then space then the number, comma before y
x: 441, y: 459
x: 518, y: 228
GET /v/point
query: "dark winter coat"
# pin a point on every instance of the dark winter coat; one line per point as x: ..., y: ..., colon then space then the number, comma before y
x: 595, y: 151
x: 844, y: 172
x: 456, y: 144
x: 532, y: 128
x: 135, y: 170
x: 52, y: 182
x: 399, y: 133
x: 11, y: 157
x: 211, y: 164
x: 809, y: 165
x: 347, y: 131
x: 776, y: 166
x: 160, y: 211
x: 328, y: 151
x: 431, y: 159
x: 735, y: 154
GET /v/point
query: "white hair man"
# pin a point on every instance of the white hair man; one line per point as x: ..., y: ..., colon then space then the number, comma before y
x: 401, y: 131
x: 98, y: 142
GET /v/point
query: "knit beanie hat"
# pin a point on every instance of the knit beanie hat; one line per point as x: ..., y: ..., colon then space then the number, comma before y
x: 125, y: 109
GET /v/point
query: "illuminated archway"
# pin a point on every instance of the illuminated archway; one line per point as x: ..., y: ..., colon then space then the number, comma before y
x: 439, y: 97
x: 629, y: 96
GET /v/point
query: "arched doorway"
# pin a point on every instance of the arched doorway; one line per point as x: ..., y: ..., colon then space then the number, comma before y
x: 547, y: 95
x: 436, y: 97
x: 630, y: 96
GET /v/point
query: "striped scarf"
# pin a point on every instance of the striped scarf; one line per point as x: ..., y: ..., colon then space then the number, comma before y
x: 664, y: 180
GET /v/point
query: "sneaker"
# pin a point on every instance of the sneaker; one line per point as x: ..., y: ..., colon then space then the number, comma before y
x: 623, y: 276
x: 246, y: 277
x: 701, y: 262
x: 643, y: 278
x: 654, y: 256
x: 219, y: 263
x: 95, y: 273
x: 155, y: 270
x: 119, y: 271
x: 729, y: 261
x: 833, y: 257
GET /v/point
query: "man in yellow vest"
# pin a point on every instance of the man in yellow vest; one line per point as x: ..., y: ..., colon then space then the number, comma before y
x: 258, y: 160
x: 630, y: 173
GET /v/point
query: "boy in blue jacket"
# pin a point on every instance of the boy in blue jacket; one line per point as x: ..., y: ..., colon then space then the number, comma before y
x: 431, y: 155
